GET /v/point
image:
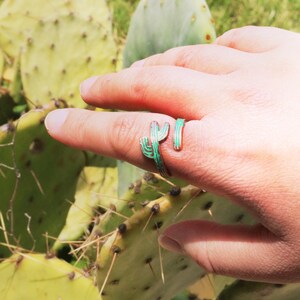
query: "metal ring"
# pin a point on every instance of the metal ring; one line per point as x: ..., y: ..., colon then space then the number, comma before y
x: 178, y: 134
x: 151, y: 149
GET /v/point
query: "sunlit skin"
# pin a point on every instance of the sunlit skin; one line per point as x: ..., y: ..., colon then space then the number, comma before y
x: 241, y: 99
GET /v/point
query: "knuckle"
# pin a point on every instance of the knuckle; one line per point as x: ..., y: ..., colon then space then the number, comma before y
x: 185, y: 58
x: 122, y: 136
x: 232, y: 37
x: 153, y: 60
x: 140, y: 84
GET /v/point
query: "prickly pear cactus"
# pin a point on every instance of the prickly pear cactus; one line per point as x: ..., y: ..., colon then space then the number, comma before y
x: 95, y: 186
x: 262, y: 291
x: 51, y: 68
x: 158, y: 25
x: 37, y: 179
x: 138, y: 194
x: 19, y: 18
x: 36, y: 276
x: 133, y: 247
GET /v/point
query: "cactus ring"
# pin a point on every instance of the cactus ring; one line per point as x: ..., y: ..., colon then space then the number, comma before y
x: 157, y: 135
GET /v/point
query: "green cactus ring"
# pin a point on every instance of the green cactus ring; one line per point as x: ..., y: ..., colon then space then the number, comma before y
x: 157, y: 135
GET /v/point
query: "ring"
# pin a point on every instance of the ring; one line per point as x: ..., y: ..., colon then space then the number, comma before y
x: 157, y: 135
x: 177, y: 140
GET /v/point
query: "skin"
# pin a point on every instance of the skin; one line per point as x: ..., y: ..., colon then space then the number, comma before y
x: 241, y: 99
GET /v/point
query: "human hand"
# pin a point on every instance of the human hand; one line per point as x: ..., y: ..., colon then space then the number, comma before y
x: 241, y: 99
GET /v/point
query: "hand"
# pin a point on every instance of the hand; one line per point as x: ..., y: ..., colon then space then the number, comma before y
x: 241, y: 98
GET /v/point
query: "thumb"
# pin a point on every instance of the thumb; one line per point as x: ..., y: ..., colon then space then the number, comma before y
x: 245, y: 252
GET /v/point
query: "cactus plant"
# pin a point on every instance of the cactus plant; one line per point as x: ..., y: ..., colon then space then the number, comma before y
x: 94, y: 187
x: 31, y: 195
x: 48, y: 68
x: 36, y: 276
x: 47, y: 61
x: 262, y: 291
x: 177, y: 23
x: 19, y: 18
x: 134, y: 245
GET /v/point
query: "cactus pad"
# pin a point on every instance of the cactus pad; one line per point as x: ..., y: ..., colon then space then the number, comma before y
x: 19, y: 18
x: 37, y: 179
x: 34, y: 276
x: 134, y: 245
x: 262, y: 291
x: 177, y: 23
x: 94, y: 184
x: 51, y: 69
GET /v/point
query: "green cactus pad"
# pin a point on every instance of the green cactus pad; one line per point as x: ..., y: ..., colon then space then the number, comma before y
x: 52, y: 69
x: 137, y: 195
x: 19, y: 18
x: 95, y: 186
x: 134, y: 247
x: 34, y: 276
x: 158, y: 25
x: 263, y: 291
x: 37, y: 179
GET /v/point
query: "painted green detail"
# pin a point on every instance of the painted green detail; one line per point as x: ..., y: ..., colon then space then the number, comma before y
x: 262, y: 291
x: 34, y: 276
x: 37, y: 181
x: 177, y: 23
x: 178, y: 134
x: 151, y: 150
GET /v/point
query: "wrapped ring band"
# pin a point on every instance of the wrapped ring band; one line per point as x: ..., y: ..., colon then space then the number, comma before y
x: 178, y: 132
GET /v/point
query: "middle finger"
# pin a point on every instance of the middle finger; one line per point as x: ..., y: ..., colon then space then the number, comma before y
x: 175, y: 91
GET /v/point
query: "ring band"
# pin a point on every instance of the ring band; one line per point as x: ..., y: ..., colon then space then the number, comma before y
x: 178, y: 132
x: 157, y: 135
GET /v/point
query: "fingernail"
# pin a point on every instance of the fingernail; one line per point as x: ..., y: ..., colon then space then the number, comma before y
x: 87, y: 84
x: 138, y: 64
x: 56, y: 119
x: 170, y: 244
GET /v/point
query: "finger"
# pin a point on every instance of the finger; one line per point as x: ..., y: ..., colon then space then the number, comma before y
x: 157, y: 89
x: 212, y: 59
x: 254, y: 39
x: 250, y: 253
x: 117, y: 135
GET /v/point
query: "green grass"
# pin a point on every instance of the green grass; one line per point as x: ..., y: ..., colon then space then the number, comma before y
x: 228, y: 14
x: 236, y: 13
